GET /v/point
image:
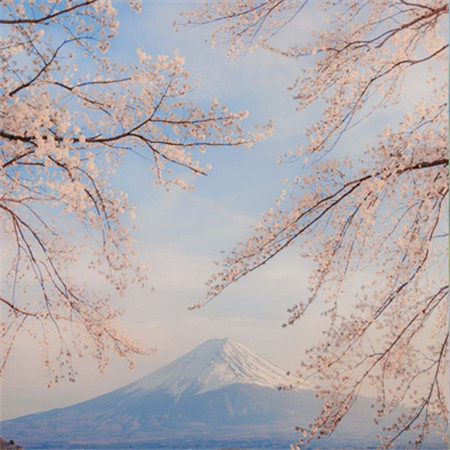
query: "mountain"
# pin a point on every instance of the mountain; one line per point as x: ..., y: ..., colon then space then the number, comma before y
x: 212, y: 365
x: 219, y: 394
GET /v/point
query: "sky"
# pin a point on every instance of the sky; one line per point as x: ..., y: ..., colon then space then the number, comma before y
x: 181, y: 233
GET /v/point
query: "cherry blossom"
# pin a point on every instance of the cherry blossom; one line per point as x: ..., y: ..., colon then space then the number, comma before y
x: 69, y: 117
x: 384, y: 214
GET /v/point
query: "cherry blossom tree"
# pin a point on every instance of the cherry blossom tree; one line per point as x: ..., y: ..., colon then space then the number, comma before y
x: 385, y: 213
x: 69, y: 116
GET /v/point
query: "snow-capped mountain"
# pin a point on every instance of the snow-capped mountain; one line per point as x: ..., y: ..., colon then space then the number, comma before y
x: 212, y: 365
x: 220, y: 389
x: 221, y: 394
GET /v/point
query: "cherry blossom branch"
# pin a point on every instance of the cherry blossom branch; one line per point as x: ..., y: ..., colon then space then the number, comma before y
x: 49, y: 17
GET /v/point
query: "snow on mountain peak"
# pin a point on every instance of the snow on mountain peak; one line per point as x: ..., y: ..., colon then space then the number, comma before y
x: 214, y: 364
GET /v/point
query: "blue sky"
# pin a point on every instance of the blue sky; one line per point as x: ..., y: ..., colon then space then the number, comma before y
x: 181, y: 233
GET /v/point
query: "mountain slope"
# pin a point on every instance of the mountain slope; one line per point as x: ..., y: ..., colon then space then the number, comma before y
x: 219, y: 394
x: 212, y: 365
x: 219, y: 387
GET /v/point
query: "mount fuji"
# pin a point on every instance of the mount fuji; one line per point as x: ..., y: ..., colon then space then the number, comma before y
x: 220, y: 394
x: 212, y: 365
